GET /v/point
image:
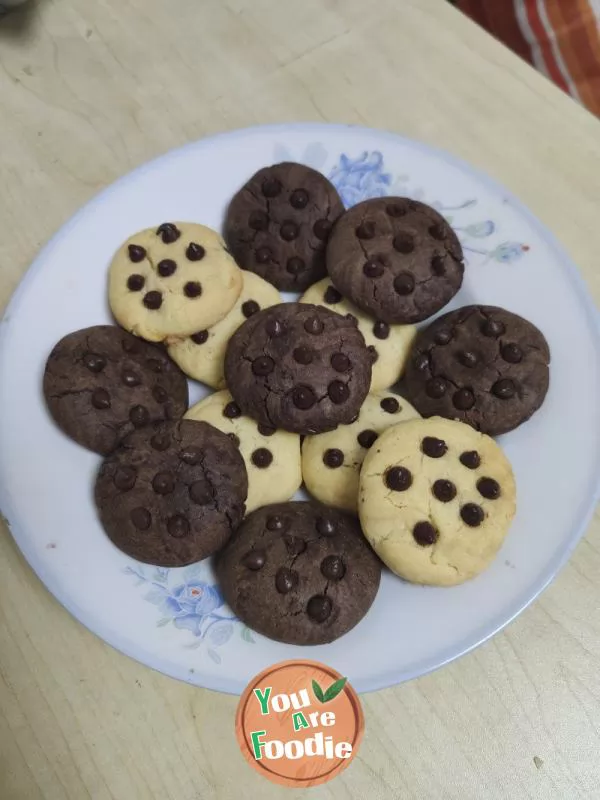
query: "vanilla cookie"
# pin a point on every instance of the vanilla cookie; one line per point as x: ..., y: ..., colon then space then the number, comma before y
x: 389, y: 345
x: 202, y: 355
x: 173, y: 280
x: 331, y: 461
x: 436, y: 499
x: 272, y: 457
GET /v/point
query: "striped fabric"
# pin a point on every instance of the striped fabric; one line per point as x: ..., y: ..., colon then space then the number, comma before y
x: 561, y: 38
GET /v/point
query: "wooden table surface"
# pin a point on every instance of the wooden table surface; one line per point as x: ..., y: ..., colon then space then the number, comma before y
x: 89, y: 90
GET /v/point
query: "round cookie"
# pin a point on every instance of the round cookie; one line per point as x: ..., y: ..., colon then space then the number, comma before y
x: 278, y: 225
x: 101, y: 383
x: 331, y: 461
x: 201, y: 355
x: 298, y: 367
x: 173, y: 493
x: 397, y: 259
x: 482, y: 365
x: 172, y: 280
x: 272, y: 457
x: 389, y: 345
x: 436, y: 500
x: 299, y: 573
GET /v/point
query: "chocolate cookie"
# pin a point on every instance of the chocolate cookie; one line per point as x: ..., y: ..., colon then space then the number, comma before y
x: 482, y: 365
x: 395, y: 258
x: 102, y: 383
x: 298, y: 367
x: 173, y: 493
x: 299, y: 573
x: 278, y: 225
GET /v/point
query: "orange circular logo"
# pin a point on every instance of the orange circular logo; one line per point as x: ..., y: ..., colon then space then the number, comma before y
x: 299, y: 723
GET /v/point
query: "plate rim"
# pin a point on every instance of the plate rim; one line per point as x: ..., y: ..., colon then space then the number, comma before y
x: 381, y: 680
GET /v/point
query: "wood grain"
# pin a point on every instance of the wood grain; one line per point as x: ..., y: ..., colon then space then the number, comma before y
x: 89, y: 90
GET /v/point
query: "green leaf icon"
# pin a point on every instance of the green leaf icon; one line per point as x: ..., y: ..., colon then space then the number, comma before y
x: 318, y: 692
x: 334, y: 690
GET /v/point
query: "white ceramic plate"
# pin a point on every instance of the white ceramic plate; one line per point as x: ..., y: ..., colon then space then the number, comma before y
x: 174, y: 619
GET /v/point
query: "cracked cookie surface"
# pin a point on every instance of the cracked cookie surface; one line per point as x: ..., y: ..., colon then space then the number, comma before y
x: 482, y: 365
x: 278, y: 224
x: 396, y: 258
x: 101, y: 383
x: 298, y: 367
x: 299, y: 573
x: 173, y: 493
x: 436, y: 500
x: 173, y: 280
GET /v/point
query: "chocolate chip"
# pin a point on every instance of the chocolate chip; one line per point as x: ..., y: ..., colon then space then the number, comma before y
x: 258, y: 220
x: 235, y: 439
x: 295, y: 265
x: 390, y: 404
x: 321, y: 229
x: 163, y: 482
x: 511, y: 353
x: 395, y: 210
x: 249, y: 308
x: 153, y: 300
x: 472, y: 514
x: 135, y: 282
x: 488, y: 488
x: 178, y: 526
x: 470, y: 459
x: 124, y: 478
x: 200, y: 493
x: 192, y: 289
x: 266, y: 430
x: 467, y: 358
x: 289, y: 231
x: 276, y: 523
x: 94, y: 362
x: 404, y: 243
x: 294, y: 545
x: 314, y: 325
x: 100, y: 399
x: 438, y: 265
x: 398, y: 479
x: 195, y: 252
x: 154, y: 365
x: 366, y: 230
x: 136, y: 253
x: 504, y: 389
x: 191, y: 455
x: 299, y: 198
x: 433, y: 447
x: 303, y: 397
x: 333, y: 458
x: 232, y: 410
x: 263, y: 255
x: 139, y: 416
x: 340, y: 362
x: 166, y: 267
x: 367, y: 438
x: 381, y: 330
x: 285, y: 580
x: 338, y: 392
x: 435, y: 387
x: 442, y: 336
x: 274, y: 328
x: 303, y: 355
x: 444, y: 490
x: 263, y: 365
x: 373, y: 269
x: 160, y: 394
x: 463, y: 399
x: 492, y: 328
x: 140, y: 517
x: 425, y: 534
x: 332, y: 568
x: 130, y: 378
x: 199, y: 338
x: 262, y: 458
x: 319, y: 607
x: 404, y: 283
x: 161, y: 441
x: 437, y: 231
x: 332, y: 296
x: 373, y: 353
x: 421, y: 362
x: 254, y: 560
x: 271, y: 187
x: 326, y: 526
x: 168, y: 232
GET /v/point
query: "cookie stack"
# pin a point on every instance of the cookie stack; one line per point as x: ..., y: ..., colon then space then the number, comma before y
x: 302, y: 394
